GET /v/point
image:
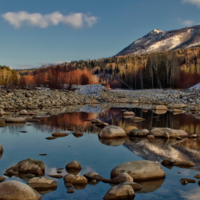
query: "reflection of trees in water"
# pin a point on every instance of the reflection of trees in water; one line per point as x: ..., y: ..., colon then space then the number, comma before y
x: 69, y: 121
x: 12, y: 128
x: 114, y: 116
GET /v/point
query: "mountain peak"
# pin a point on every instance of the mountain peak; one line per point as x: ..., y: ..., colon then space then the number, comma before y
x: 158, y: 40
x: 155, y: 31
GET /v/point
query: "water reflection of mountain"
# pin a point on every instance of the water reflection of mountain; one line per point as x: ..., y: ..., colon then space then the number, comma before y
x: 79, y: 121
x: 160, y: 149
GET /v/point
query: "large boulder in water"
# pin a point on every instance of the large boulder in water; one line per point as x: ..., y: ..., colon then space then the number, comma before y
x: 25, y: 167
x: 18, y: 191
x: 140, y: 170
x: 168, y: 133
x: 119, y: 192
x: 112, y: 132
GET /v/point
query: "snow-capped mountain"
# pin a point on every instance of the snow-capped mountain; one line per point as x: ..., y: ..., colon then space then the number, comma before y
x: 158, y: 40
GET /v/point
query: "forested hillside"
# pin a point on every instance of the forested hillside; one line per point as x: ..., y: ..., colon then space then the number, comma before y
x: 175, y: 69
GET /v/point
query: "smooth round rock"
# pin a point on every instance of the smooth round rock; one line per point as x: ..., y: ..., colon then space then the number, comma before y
x: 70, y: 178
x: 16, y: 190
x: 183, y: 164
x: 168, y: 133
x: 160, y: 107
x: 112, y: 132
x: 140, y: 170
x: 73, y: 165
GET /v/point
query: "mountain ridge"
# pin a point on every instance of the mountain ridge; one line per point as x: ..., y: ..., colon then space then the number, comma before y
x: 158, y: 40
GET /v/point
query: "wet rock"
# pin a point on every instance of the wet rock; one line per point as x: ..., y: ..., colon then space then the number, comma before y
x: 168, y: 162
x: 129, y: 113
x: 43, y: 182
x: 168, y: 133
x: 140, y: 170
x: 112, y: 132
x: 112, y: 142
x: 119, y: 192
x: 55, y: 176
x: 27, y: 166
x: 130, y: 128
x: 159, y: 107
x: 73, y: 165
x: 197, y: 176
x: 145, y: 131
x: 136, y: 133
x: 59, y: 171
x: 135, y: 186
x: 193, y: 136
x: 78, y: 134
x: 92, y: 175
x: 2, y: 179
x: 70, y: 188
x: 15, y: 120
x: 183, y: 164
x: 70, y: 178
x: 50, y: 138
x: 18, y: 191
x: 23, y: 112
x: 178, y: 111
x: 59, y: 134
x: 160, y: 112
x: 43, y: 154
x: 150, y: 137
x: 185, y: 181
x: 138, y: 119
x: 123, y: 177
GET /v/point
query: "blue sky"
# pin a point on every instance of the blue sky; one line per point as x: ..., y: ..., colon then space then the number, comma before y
x: 49, y: 31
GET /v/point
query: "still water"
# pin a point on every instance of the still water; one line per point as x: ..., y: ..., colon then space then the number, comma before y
x: 102, y: 156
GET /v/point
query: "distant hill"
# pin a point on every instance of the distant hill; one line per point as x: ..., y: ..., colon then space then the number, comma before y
x: 158, y: 40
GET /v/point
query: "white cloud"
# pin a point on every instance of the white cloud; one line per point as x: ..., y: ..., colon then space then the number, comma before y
x: 76, y: 20
x: 195, y: 2
x: 186, y: 22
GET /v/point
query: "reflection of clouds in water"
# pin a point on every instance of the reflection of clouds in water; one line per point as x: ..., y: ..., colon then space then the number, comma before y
x: 193, y: 194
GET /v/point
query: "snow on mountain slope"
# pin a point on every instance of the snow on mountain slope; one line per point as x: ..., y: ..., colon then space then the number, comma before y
x: 158, y: 40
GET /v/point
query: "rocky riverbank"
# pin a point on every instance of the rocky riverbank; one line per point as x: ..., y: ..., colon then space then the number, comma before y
x: 95, y: 99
